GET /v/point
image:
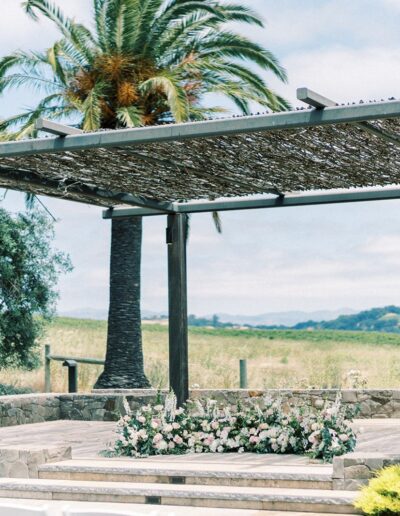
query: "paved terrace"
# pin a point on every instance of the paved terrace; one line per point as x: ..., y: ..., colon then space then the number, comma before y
x: 88, y: 438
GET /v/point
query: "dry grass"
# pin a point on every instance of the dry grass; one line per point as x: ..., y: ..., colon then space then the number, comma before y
x: 276, y: 359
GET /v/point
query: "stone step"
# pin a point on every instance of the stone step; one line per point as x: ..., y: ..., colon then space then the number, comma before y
x: 161, y: 472
x: 56, y: 508
x: 228, y: 497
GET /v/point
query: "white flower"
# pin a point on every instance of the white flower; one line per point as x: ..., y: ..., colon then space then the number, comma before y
x: 161, y: 445
x: 143, y: 434
x: 141, y: 419
x: 176, y: 426
x: 157, y: 438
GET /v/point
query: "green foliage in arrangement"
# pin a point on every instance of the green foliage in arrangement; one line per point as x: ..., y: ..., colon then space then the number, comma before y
x: 256, y: 426
x: 382, y: 495
x: 29, y: 269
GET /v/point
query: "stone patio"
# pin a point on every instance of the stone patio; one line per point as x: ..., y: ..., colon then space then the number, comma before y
x: 88, y: 438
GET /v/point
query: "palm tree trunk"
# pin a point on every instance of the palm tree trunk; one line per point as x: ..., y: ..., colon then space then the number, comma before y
x: 124, y: 358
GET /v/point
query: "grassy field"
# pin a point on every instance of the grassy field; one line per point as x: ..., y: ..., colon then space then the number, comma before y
x: 276, y: 358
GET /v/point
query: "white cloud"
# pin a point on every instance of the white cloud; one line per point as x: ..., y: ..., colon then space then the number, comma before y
x: 345, y: 74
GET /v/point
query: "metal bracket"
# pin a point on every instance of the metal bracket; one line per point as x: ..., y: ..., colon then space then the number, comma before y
x: 58, y: 129
x: 317, y: 101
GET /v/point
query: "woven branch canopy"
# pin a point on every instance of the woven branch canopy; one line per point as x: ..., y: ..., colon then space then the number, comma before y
x: 303, y: 150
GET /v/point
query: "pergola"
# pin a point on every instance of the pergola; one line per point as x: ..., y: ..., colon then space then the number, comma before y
x: 322, y: 154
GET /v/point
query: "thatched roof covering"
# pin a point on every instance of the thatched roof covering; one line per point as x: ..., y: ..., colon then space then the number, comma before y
x: 244, y: 156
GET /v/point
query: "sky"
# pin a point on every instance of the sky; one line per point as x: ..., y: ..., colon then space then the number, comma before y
x: 306, y: 258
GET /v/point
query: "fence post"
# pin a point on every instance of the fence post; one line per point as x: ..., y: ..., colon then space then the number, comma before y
x: 243, y: 374
x: 72, y: 375
x: 47, y: 371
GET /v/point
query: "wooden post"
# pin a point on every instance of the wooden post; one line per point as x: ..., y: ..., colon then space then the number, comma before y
x: 47, y: 370
x: 243, y: 374
x: 177, y: 300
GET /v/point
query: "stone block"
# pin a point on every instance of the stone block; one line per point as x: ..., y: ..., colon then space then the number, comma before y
x: 338, y: 468
x: 357, y: 472
x: 18, y: 469
x: 349, y: 396
x: 23, y: 462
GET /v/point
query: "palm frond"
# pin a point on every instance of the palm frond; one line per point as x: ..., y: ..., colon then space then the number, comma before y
x: 229, y: 44
x: 240, y: 13
x: 217, y: 221
x: 130, y: 116
x: 53, y: 58
x: 100, y: 19
x: 35, y: 81
x: 199, y: 113
x: 52, y: 107
x: 91, y: 109
x: 177, y: 10
x: 176, y: 97
x: 79, y: 35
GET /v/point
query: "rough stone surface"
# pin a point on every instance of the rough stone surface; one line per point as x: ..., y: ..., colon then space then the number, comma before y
x: 104, y: 405
x: 353, y: 470
x: 24, y: 461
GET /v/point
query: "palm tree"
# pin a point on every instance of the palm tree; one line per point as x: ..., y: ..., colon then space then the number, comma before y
x: 144, y: 62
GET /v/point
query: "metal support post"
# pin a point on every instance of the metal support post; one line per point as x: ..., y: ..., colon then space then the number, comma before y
x: 243, y: 374
x: 177, y: 300
x: 72, y: 375
x: 47, y: 370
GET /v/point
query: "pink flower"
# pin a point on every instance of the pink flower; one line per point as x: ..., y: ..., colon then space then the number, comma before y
x: 254, y: 439
x: 178, y: 439
x: 157, y: 438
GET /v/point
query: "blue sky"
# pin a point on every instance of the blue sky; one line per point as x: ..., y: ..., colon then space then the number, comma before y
x: 272, y: 260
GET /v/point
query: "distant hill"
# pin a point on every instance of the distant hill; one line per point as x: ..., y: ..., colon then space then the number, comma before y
x: 386, y: 319
x: 286, y: 319
x: 289, y: 318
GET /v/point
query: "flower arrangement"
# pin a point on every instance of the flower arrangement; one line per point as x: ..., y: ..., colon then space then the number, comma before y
x: 263, y: 426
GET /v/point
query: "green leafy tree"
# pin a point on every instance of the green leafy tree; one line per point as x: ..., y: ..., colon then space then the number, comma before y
x: 144, y: 62
x: 29, y: 269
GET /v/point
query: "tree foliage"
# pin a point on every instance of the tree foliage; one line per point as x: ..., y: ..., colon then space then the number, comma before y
x: 145, y: 62
x: 29, y: 269
x: 385, y: 319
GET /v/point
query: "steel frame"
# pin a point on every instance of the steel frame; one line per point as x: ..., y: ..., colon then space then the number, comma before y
x: 360, y: 114
x: 211, y: 128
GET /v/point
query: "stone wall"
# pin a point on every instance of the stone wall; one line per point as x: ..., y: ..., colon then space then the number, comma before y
x: 102, y: 406
x: 23, y: 461
x: 354, y: 470
x: 108, y: 405
x: 29, y: 408
x: 371, y: 403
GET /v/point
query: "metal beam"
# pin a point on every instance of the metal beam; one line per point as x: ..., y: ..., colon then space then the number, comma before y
x: 211, y: 128
x: 53, y: 128
x: 285, y: 201
x: 319, y: 102
x: 24, y: 179
x: 177, y: 300
x: 314, y: 99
